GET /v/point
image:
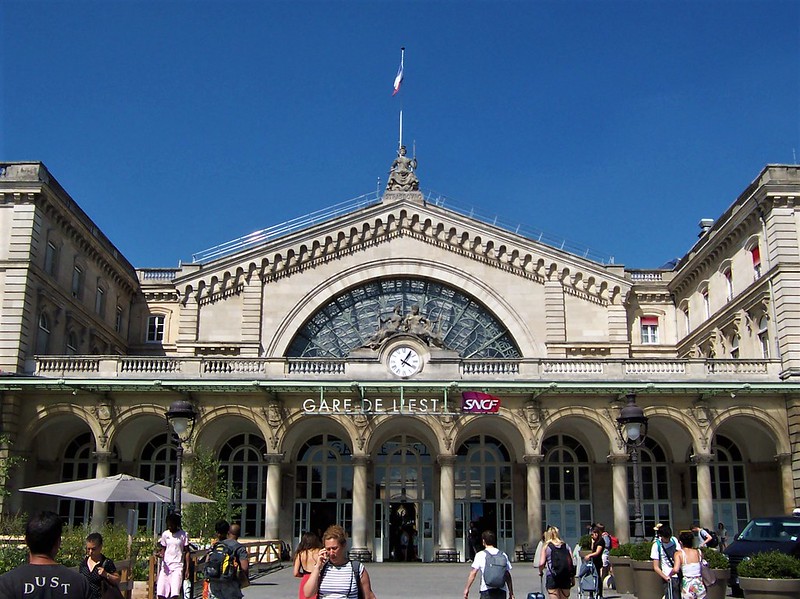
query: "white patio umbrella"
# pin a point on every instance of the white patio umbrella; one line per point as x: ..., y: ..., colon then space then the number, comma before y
x: 118, y: 488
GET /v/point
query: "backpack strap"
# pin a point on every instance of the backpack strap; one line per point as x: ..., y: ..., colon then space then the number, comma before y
x: 356, y: 565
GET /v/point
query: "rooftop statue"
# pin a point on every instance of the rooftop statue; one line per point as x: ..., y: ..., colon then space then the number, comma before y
x: 401, y: 175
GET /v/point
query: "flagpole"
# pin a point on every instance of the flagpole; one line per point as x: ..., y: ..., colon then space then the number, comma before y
x: 402, y: 61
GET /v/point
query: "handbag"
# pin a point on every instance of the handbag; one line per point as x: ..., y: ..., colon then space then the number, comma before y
x: 707, y: 574
x: 109, y: 591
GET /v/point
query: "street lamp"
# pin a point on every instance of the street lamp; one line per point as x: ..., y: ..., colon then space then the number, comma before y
x: 632, y: 429
x: 181, y: 416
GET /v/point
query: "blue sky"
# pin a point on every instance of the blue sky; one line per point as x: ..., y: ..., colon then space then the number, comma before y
x: 617, y: 125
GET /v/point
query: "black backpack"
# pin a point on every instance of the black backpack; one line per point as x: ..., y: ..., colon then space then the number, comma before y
x: 714, y: 541
x: 221, y: 562
x: 561, y: 566
x: 494, y: 572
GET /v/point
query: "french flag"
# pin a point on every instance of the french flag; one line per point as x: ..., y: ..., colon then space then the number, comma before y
x: 398, y: 78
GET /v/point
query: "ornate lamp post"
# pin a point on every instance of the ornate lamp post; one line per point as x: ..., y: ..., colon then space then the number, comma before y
x: 632, y: 430
x: 181, y: 416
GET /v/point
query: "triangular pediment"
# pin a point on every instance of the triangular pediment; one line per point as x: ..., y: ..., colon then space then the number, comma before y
x: 407, y: 215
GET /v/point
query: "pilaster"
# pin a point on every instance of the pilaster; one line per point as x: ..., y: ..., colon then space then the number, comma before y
x: 555, y: 315
x: 252, y: 302
x: 188, y: 320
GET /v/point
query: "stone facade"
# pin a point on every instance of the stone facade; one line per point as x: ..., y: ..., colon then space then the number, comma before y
x: 276, y: 346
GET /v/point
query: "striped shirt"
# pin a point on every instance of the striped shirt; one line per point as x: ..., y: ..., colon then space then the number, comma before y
x: 339, y: 582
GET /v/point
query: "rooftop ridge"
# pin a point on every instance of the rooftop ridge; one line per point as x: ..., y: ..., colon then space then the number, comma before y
x: 374, y: 197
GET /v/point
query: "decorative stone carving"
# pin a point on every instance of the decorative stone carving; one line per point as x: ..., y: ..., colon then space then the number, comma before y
x: 401, y: 175
x: 414, y: 323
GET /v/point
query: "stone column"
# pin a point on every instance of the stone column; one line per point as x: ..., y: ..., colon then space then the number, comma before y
x: 359, y: 547
x: 787, y: 481
x: 447, y: 495
x: 99, y: 508
x: 534, y: 505
x: 273, y: 499
x: 619, y: 484
x: 704, y: 498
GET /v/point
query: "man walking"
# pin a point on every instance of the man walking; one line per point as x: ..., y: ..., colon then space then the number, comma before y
x: 42, y: 577
x: 662, y: 553
x: 489, y: 562
x: 227, y: 584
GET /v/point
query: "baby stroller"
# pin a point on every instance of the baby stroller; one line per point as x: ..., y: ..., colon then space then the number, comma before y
x: 587, y: 580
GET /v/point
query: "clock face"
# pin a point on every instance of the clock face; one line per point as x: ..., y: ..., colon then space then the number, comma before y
x: 404, y: 361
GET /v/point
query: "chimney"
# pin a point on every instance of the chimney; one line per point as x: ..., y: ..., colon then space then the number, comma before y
x: 705, y: 224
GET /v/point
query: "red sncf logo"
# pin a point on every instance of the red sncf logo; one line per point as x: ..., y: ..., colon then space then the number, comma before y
x: 475, y: 402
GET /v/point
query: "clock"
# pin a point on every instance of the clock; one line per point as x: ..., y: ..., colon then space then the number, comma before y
x: 405, y: 361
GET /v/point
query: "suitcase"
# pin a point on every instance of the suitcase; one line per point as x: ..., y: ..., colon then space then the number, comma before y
x: 540, y: 594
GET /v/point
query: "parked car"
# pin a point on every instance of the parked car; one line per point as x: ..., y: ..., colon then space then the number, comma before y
x: 775, y: 533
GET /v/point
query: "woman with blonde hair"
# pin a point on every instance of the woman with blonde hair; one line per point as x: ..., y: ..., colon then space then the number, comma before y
x: 557, y: 558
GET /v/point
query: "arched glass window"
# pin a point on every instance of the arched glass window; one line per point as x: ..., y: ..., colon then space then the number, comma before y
x: 77, y: 464
x: 656, y: 505
x: 403, y: 470
x: 484, y: 487
x: 156, y: 464
x: 763, y: 337
x: 349, y: 320
x: 242, y: 461
x: 323, y: 484
x: 43, y: 334
x: 566, y: 486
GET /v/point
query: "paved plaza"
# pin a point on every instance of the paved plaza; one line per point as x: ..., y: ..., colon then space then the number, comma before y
x: 405, y: 581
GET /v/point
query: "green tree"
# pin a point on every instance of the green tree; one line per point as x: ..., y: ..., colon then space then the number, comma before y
x: 7, y: 463
x: 206, y: 478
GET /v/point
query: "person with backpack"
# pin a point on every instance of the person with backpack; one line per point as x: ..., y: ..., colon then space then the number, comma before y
x: 495, y: 569
x: 662, y: 552
x: 557, y: 558
x: 226, y: 563
x: 705, y: 538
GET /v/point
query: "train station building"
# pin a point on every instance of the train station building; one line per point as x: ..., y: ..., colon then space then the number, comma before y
x: 396, y: 364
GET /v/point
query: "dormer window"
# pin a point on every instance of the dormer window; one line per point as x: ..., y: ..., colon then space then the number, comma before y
x: 649, y: 328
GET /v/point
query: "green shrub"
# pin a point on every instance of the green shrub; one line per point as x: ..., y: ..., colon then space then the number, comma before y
x: 716, y: 559
x: 115, y: 547
x: 641, y: 551
x: 12, y: 556
x: 585, y: 542
x: 772, y: 564
x: 624, y: 550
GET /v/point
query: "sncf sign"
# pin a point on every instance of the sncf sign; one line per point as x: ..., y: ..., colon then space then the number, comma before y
x: 475, y: 402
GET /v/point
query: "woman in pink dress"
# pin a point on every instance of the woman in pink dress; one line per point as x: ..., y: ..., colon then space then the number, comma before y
x: 174, y: 552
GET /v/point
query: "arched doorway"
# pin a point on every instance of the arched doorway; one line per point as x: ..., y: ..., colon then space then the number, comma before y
x: 728, y: 487
x: 323, y: 485
x: 484, y: 493
x: 157, y: 463
x: 242, y: 462
x: 78, y: 464
x: 566, y: 486
x: 656, y: 503
x: 403, y: 501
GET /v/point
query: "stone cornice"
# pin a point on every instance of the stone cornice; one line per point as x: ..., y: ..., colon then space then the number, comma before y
x: 380, y: 224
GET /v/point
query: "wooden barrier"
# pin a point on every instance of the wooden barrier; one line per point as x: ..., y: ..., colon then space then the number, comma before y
x: 264, y: 557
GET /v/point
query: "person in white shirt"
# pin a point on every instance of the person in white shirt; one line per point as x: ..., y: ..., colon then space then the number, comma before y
x: 662, y: 553
x: 479, y: 565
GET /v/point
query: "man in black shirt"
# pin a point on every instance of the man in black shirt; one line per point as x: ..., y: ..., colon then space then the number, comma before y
x: 42, y: 577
